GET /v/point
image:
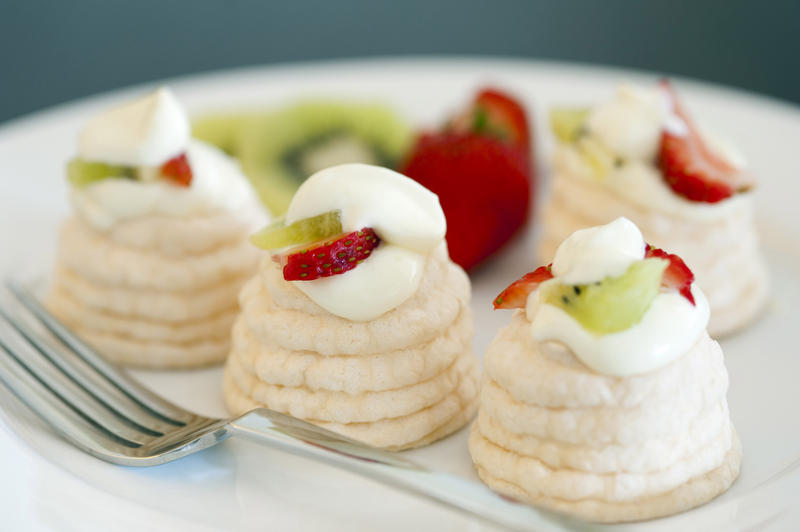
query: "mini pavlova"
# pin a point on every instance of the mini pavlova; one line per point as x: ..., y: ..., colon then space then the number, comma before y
x: 605, y: 397
x: 150, y: 264
x: 358, y: 321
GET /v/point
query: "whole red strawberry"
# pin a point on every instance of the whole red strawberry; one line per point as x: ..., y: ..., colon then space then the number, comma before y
x: 480, y: 167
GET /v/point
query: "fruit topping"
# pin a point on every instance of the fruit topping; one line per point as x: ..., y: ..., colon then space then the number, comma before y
x: 677, y: 276
x: 82, y: 173
x: 569, y: 126
x: 279, y: 150
x: 568, y: 123
x: 516, y: 295
x: 613, y: 304
x: 177, y: 170
x: 480, y: 167
x: 313, y: 229
x: 330, y: 257
x: 689, y: 166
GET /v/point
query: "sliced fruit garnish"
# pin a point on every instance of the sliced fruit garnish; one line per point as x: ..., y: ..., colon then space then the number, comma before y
x: 567, y: 123
x: 83, y: 173
x: 315, y: 228
x: 178, y: 170
x: 677, y: 276
x: 280, y: 150
x: 613, y: 304
x: 331, y: 257
x: 599, y: 158
x: 689, y: 166
x: 516, y: 294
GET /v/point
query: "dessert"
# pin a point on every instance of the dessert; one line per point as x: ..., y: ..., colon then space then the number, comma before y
x: 480, y: 166
x: 641, y: 156
x: 605, y: 397
x: 149, y: 266
x: 357, y: 320
x: 279, y: 150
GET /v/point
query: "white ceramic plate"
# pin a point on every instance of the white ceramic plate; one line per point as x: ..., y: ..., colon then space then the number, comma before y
x: 46, y: 484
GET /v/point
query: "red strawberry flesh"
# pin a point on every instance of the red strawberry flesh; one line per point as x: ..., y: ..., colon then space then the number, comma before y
x: 178, y: 170
x: 691, y: 168
x: 483, y: 186
x: 516, y: 295
x: 330, y: 257
x: 677, y: 276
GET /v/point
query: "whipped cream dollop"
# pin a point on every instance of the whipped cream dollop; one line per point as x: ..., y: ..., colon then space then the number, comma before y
x: 630, y: 125
x: 405, y: 215
x: 145, y: 132
x: 592, y: 254
x: 217, y: 185
x: 668, y: 329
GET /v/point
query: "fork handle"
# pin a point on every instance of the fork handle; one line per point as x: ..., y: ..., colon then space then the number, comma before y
x: 303, y: 439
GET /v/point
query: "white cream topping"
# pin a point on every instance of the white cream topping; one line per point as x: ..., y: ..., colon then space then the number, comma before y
x: 594, y: 253
x: 146, y: 132
x: 390, y: 276
x: 217, y: 184
x: 405, y: 215
x: 630, y: 126
x: 669, y: 327
x: 400, y: 210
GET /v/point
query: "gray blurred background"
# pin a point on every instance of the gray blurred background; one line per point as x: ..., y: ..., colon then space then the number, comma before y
x: 58, y: 50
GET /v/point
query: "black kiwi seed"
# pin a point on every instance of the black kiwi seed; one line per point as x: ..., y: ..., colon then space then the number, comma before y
x: 565, y: 299
x: 577, y: 290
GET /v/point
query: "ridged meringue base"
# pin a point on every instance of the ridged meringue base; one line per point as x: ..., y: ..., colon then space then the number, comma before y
x: 553, y: 433
x: 156, y: 293
x: 402, y: 380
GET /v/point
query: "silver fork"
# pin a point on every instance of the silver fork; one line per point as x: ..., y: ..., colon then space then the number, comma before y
x: 102, y: 411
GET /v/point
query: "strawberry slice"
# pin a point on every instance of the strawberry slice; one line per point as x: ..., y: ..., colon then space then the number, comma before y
x: 329, y: 257
x: 178, y: 170
x: 677, y: 276
x: 516, y: 295
x: 689, y: 166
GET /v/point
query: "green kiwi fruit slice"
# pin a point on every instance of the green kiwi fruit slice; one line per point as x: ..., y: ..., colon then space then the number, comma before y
x: 279, y: 235
x: 613, y: 304
x: 281, y: 150
x: 568, y: 122
x: 82, y: 173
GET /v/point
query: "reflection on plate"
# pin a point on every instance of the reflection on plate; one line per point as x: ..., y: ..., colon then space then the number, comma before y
x: 241, y: 486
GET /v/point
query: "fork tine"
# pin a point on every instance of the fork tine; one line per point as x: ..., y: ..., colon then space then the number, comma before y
x: 53, y: 411
x: 83, y: 375
x: 65, y: 389
x: 137, y: 393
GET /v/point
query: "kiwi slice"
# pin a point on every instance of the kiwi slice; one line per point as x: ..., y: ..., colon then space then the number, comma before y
x: 222, y: 130
x: 83, y: 173
x: 568, y: 122
x: 279, y: 151
x: 279, y: 235
x: 613, y: 304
